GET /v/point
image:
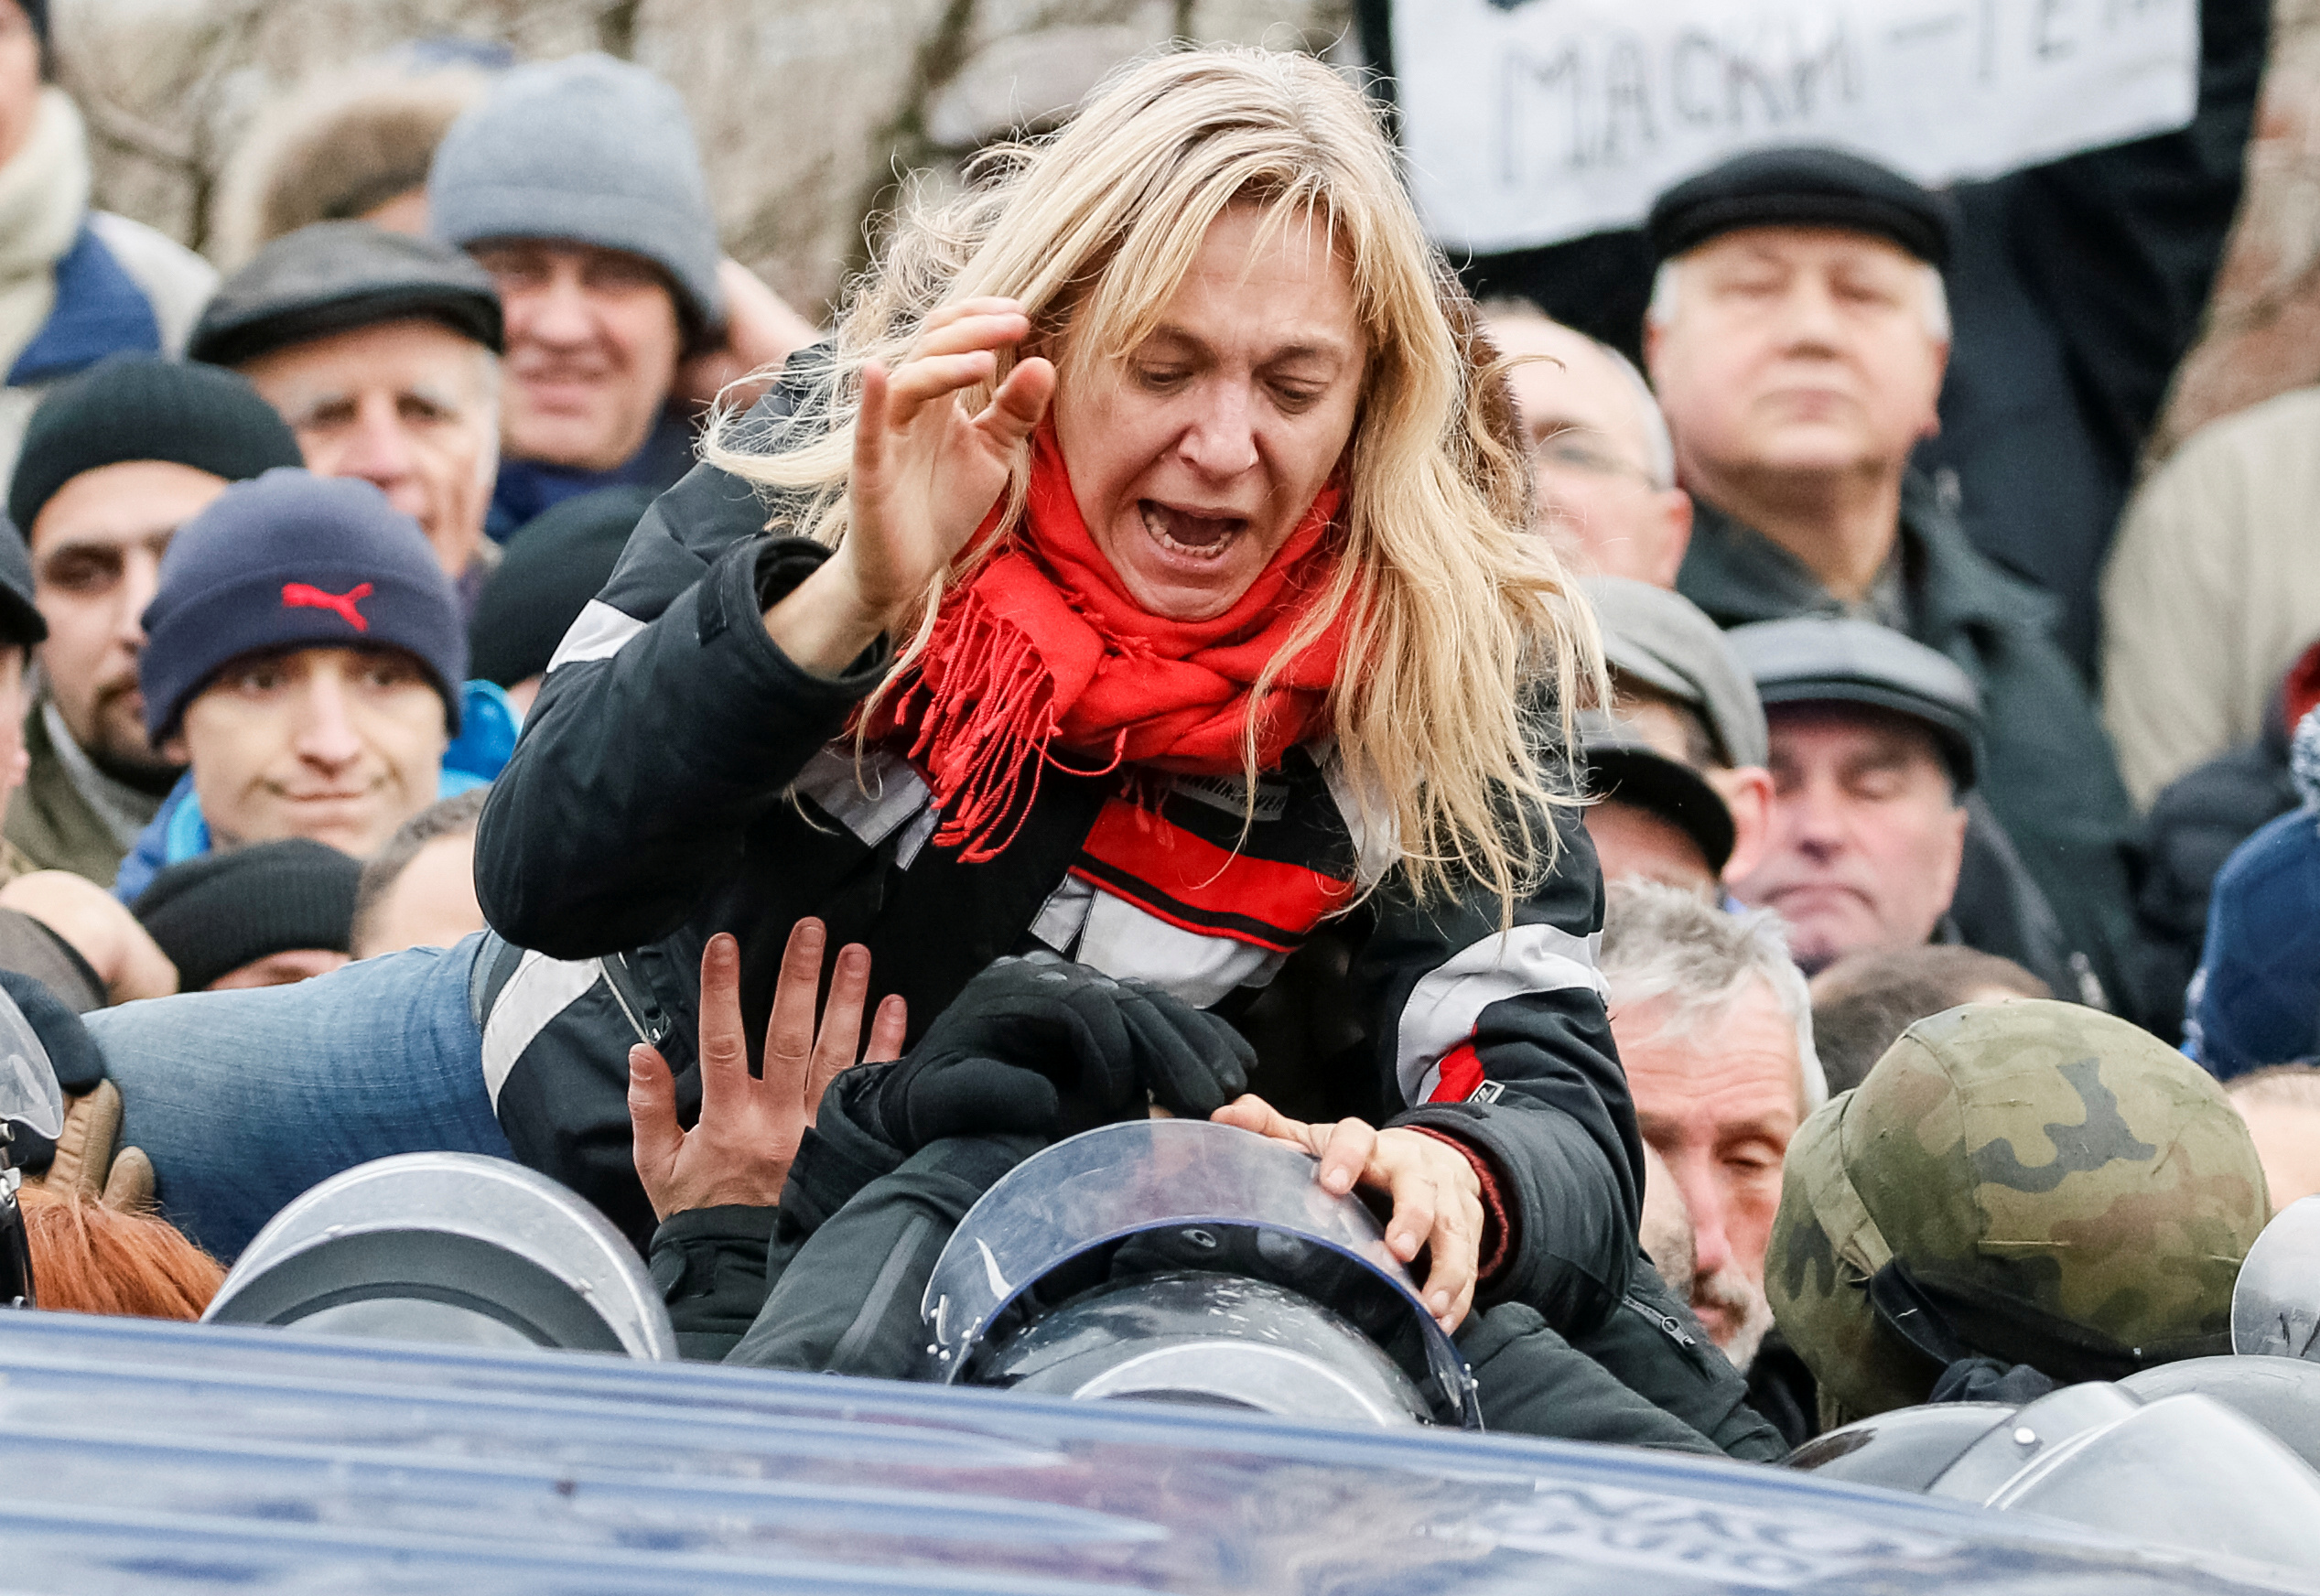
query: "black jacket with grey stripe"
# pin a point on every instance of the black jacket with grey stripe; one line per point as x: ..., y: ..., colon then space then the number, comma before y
x: 675, y: 779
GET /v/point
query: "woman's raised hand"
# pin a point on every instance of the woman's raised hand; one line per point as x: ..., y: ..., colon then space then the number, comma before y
x: 741, y: 1149
x: 1438, y: 1200
x: 926, y: 471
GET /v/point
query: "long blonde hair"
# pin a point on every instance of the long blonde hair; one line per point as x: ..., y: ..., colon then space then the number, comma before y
x: 1455, y: 607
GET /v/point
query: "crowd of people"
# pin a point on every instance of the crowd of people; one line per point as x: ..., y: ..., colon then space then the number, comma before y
x: 491, y: 677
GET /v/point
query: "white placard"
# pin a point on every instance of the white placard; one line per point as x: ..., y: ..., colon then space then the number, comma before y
x: 1529, y: 120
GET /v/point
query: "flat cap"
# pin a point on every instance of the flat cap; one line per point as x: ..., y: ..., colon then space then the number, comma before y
x: 1624, y: 765
x: 1820, y: 659
x: 1801, y: 186
x: 1667, y: 642
x: 335, y: 276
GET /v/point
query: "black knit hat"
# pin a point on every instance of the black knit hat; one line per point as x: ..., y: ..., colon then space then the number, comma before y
x: 36, y: 12
x: 335, y: 276
x: 559, y: 561
x: 1801, y: 186
x: 136, y: 408
x: 295, y: 561
x: 216, y: 913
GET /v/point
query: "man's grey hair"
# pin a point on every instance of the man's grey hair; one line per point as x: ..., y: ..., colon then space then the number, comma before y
x: 1661, y: 942
x: 1659, y: 445
x: 1934, y: 301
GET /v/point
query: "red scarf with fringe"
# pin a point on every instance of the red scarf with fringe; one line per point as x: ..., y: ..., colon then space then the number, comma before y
x: 1044, y: 650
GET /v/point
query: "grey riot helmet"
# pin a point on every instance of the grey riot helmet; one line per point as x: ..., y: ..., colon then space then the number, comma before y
x: 2275, y: 1303
x: 451, y: 1248
x: 2171, y: 1467
x: 1181, y: 1261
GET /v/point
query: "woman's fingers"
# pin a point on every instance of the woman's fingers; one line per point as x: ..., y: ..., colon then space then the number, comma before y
x: 888, y: 1029
x: 725, y: 1047
x: 654, y: 1133
x: 1436, y: 1205
x: 1346, y: 1151
x: 930, y: 379
x: 989, y: 329
x: 1019, y: 404
x: 1250, y: 1111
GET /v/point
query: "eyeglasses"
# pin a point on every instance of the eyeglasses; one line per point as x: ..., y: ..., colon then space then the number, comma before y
x: 1570, y: 451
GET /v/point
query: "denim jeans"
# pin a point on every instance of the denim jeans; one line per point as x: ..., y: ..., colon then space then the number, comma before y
x: 242, y: 1100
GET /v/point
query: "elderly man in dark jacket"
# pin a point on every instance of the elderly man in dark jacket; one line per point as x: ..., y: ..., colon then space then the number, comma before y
x: 1798, y: 335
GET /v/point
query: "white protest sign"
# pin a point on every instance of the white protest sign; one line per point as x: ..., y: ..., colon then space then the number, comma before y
x: 1529, y: 120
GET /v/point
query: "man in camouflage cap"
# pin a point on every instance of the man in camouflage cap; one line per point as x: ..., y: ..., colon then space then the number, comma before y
x: 2032, y: 1184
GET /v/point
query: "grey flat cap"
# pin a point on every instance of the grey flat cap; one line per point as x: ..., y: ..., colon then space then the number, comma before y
x: 1666, y: 642
x: 1818, y: 659
x: 335, y: 276
x: 1622, y: 765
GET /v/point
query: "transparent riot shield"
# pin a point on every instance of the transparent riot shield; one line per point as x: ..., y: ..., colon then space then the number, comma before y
x: 1163, y: 1175
x: 29, y: 1098
x: 2275, y: 1306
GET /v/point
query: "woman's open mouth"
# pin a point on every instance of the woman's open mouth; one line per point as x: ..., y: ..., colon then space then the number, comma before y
x: 1199, y: 537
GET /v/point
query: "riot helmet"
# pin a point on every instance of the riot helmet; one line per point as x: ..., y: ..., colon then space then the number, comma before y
x: 2275, y: 1303
x: 2170, y: 1467
x: 1181, y: 1261
x: 2033, y: 1182
x: 450, y: 1248
x: 30, y: 1100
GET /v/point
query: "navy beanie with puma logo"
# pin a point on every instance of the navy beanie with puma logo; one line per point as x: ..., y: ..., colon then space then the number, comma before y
x: 295, y: 561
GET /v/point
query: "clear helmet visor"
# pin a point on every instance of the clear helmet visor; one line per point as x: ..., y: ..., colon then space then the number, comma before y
x: 29, y: 1095
x: 2275, y: 1305
x: 1190, y: 1177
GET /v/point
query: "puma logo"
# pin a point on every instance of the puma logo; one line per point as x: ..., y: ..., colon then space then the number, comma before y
x: 299, y: 595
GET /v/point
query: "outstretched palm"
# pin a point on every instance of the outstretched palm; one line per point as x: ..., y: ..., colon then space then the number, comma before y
x: 740, y: 1150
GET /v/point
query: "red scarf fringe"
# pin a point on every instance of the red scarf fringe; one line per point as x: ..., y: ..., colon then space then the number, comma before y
x: 1043, y: 649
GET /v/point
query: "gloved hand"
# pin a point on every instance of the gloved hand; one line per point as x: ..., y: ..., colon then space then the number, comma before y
x: 1040, y: 1046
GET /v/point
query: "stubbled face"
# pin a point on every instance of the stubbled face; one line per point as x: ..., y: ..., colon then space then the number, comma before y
x: 1865, y: 837
x: 96, y: 562
x: 336, y: 744
x: 1796, y: 350
x: 1719, y: 1102
x: 1195, y: 458
x: 1590, y: 456
x: 432, y: 902
x: 409, y: 406
x: 19, y: 79
x: 593, y: 341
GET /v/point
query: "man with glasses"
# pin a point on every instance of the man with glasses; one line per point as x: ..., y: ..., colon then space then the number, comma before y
x: 1602, y: 468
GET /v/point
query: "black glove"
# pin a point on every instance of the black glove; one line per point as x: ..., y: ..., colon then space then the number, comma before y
x: 1190, y: 1061
x: 1040, y: 1046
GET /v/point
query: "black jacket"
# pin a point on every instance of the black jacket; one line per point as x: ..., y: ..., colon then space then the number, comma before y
x: 2047, y: 771
x: 676, y: 778
x: 831, y: 1283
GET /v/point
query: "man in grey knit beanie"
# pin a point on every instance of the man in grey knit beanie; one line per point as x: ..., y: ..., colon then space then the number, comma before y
x: 577, y: 185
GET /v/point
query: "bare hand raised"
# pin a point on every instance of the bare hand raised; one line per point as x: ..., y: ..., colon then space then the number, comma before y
x: 1438, y: 1200
x: 926, y: 471
x: 747, y: 1136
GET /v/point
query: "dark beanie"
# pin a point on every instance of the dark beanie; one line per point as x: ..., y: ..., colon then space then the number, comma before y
x: 295, y: 561
x: 218, y: 913
x: 554, y: 565
x: 1801, y: 186
x: 136, y: 408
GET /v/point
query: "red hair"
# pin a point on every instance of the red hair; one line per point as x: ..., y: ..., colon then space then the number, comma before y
x: 87, y: 1258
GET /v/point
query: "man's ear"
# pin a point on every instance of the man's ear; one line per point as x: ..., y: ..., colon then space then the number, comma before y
x: 1933, y: 408
x: 1960, y: 818
x: 1673, y: 508
x: 175, y: 748
x: 1747, y: 792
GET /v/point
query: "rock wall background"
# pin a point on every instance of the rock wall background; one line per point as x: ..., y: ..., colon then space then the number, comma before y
x: 807, y: 108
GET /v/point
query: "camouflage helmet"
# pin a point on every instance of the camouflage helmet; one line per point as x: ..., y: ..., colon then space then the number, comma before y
x: 2031, y: 1182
